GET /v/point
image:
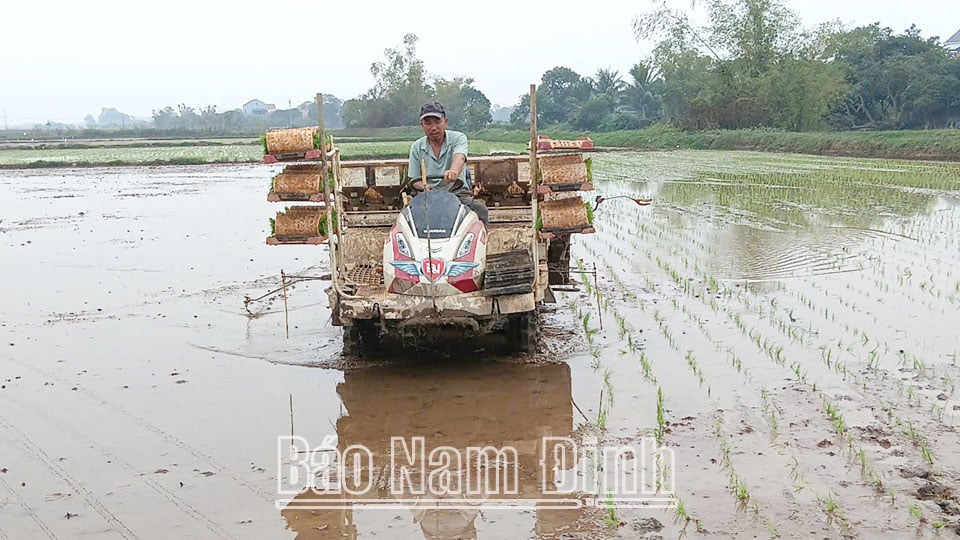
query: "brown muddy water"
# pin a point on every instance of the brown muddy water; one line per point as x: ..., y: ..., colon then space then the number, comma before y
x: 787, y: 325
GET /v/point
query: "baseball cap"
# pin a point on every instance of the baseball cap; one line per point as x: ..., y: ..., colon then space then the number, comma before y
x: 433, y: 109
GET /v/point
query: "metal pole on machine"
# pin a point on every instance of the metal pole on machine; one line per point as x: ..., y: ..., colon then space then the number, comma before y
x: 329, y: 205
x: 535, y: 245
x: 426, y: 200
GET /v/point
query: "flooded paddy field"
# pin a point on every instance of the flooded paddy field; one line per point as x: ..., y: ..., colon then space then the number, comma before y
x: 786, y: 325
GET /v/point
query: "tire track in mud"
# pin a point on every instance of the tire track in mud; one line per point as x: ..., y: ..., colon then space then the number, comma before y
x: 31, y: 513
x: 35, y: 451
x: 158, y: 488
x: 205, y: 459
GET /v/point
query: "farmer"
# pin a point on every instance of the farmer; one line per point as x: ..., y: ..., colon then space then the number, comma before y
x: 445, y: 154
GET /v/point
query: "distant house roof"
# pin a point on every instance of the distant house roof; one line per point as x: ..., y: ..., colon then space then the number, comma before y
x: 257, y: 107
x: 954, y: 42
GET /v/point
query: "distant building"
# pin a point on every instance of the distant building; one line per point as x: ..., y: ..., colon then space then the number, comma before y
x: 953, y: 44
x: 255, y: 107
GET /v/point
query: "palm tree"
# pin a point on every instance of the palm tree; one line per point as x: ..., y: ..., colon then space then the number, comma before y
x: 608, y: 81
x: 638, y: 94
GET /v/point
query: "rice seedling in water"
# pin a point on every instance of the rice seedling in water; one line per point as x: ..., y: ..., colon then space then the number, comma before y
x: 661, y: 420
x: 647, y: 368
x: 610, y: 515
x: 916, y: 512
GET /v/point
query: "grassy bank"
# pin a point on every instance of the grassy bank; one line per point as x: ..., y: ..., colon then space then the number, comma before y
x: 931, y: 144
x: 943, y: 145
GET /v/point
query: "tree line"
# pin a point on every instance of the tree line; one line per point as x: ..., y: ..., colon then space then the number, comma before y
x: 209, y: 120
x: 401, y: 86
x: 753, y: 65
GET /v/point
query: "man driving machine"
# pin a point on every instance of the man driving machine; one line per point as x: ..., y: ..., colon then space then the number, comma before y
x: 444, y: 153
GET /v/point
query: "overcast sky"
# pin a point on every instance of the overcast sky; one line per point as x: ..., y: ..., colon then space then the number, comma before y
x: 63, y: 60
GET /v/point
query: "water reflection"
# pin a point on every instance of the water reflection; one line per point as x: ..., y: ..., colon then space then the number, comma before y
x: 453, y: 407
x: 765, y: 218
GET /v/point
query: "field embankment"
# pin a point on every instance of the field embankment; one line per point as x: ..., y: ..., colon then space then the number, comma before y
x: 385, y: 143
x: 940, y: 145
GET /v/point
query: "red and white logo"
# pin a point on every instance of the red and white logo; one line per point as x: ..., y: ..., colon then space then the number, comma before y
x: 433, y: 269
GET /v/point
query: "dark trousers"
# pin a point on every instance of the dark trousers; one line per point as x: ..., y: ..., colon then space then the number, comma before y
x: 476, y: 205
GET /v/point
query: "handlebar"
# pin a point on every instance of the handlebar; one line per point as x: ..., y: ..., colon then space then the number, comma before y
x: 452, y: 186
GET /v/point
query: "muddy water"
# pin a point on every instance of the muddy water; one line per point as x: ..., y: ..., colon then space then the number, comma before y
x: 796, y: 315
x: 140, y: 399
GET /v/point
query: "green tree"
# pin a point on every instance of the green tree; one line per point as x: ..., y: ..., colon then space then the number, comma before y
x: 593, y: 112
x: 400, y: 86
x: 638, y: 94
x: 210, y: 120
x: 187, y: 117
x: 520, y: 116
x: 467, y: 108
x: 165, y: 118
x: 755, y: 32
x: 751, y: 66
x: 561, y: 94
x: 608, y: 82
x: 896, y: 81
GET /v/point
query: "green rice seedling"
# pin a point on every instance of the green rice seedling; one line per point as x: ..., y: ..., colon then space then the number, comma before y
x: 712, y: 284
x: 647, y: 368
x: 680, y: 512
x: 873, y: 360
x: 595, y: 364
x: 916, y: 512
x: 800, y: 375
x: 830, y: 505
x: 838, y: 423
x: 608, y: 385
x: 741, y: 492
x: 588, y: 331
x: 661, y: 420
x: 621, y: 324
x: 925, y: 451
x: 610, y: 515
x: 864, y: 462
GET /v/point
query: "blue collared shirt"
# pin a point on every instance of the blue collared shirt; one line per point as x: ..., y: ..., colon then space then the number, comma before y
x: 454, y: 142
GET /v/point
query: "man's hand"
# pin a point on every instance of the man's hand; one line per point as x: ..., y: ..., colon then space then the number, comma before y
x: 450, y: 176
x: 420, y: 185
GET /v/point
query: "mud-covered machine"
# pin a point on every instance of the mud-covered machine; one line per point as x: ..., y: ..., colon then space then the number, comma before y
x: 411, y: 268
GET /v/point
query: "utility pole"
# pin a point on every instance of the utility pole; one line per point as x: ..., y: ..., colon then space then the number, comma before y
x: 4, y: 119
